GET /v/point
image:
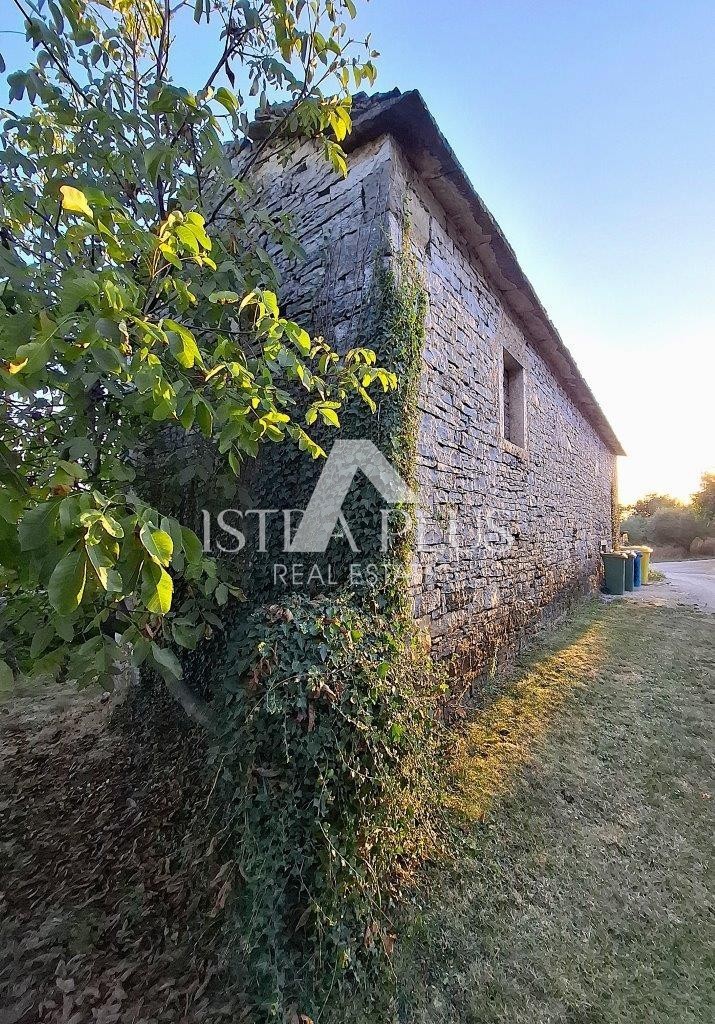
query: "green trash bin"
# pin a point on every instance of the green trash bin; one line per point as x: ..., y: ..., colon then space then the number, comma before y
x: 630, y: 569
x: 646, y: 552
x: 614, y: 572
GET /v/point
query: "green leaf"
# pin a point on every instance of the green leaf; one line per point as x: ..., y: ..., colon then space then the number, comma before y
x: 41, y: 640
x: 157, y: 543
x: 306, y: 443
x: 299, y: 337
x: 67, y: 582
x: 111, y: 526
x: 103, y: 565
x: 157, y: 588
x: 193, y: 548
x: 7, y: 679
x: 204, y: 418
x: 227, y: 99
x: 330, y: 417
x: 186, y: 633
x: 224, y: 298
x: 11, y: 505
x: 166, y: 661
x: 153, y: 158
x: 37, y: 525
x: 186, y: 416
x: 107, y: 358
x: 64, y: 628
x: 271, y: 303
x: 75, y: 201
x: 336, y: 156
x: 73, y: 469
x: 182, y: 344
x: 33, y: 356
x: 9, y: 464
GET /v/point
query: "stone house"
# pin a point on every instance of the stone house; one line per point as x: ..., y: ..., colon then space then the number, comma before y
x: 512, y: 447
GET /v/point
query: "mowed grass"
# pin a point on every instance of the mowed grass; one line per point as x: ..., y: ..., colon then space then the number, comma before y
x: 582, y: 891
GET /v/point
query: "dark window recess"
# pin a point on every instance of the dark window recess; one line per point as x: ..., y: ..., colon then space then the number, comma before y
x: 513, y: 403
x: 506, y: 385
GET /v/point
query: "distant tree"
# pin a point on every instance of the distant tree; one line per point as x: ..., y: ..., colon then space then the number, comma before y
x: 704, y: 498
x: 675, y: 526
x: 651, y: 504
x: 136, y: 290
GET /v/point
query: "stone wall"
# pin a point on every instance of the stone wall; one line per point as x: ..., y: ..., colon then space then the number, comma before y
x: 527, y: 522
x: 340, y: 223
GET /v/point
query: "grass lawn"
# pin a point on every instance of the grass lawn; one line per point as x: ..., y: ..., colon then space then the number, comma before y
x: 582, y: 894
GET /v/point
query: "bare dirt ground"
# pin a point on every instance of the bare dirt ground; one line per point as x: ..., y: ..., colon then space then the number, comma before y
x: 93, y: 912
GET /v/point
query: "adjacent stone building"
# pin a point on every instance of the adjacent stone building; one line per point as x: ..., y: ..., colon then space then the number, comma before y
x: 514, y: 456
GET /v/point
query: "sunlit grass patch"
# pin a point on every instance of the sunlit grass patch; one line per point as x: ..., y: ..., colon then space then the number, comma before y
x: 577, y: 889
x: 503, y: 736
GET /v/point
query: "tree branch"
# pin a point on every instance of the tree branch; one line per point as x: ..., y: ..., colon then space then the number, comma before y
x: 197, y: 709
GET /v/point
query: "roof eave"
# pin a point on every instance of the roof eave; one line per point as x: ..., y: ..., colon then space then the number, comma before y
x: 406, y: 117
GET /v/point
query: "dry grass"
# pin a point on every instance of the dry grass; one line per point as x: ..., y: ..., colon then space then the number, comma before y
x: 581, y: 894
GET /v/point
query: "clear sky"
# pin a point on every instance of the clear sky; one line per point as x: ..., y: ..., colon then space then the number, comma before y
x: 588, y: 127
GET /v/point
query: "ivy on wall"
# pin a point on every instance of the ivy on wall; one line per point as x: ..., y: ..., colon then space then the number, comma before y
x: 329, y: 733
x: 330, y: 741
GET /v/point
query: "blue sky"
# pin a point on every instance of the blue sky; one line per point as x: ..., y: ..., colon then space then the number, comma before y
x: 588, y: 128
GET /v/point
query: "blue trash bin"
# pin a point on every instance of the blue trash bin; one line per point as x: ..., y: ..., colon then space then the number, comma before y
x: 637, y: 569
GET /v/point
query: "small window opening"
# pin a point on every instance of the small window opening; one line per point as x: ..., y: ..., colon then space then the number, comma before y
x: 513, y: 407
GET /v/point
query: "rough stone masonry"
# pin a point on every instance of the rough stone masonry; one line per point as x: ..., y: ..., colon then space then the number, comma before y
x: 515, y: 459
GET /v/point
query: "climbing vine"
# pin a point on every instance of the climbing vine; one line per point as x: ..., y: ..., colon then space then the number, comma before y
x: 329, y: 736
x: 330, y: 749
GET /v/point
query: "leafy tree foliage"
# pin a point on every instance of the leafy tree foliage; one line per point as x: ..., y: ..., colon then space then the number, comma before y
x: 660, y: 519
x: 704, y: 498
x: 136, y: 292
x: 651, y: 504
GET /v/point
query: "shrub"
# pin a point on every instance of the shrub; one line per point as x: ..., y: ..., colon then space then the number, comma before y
x: 676, y: 527
x: 637, y: 528
x: 703, y: 546
x: 669, y: 527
